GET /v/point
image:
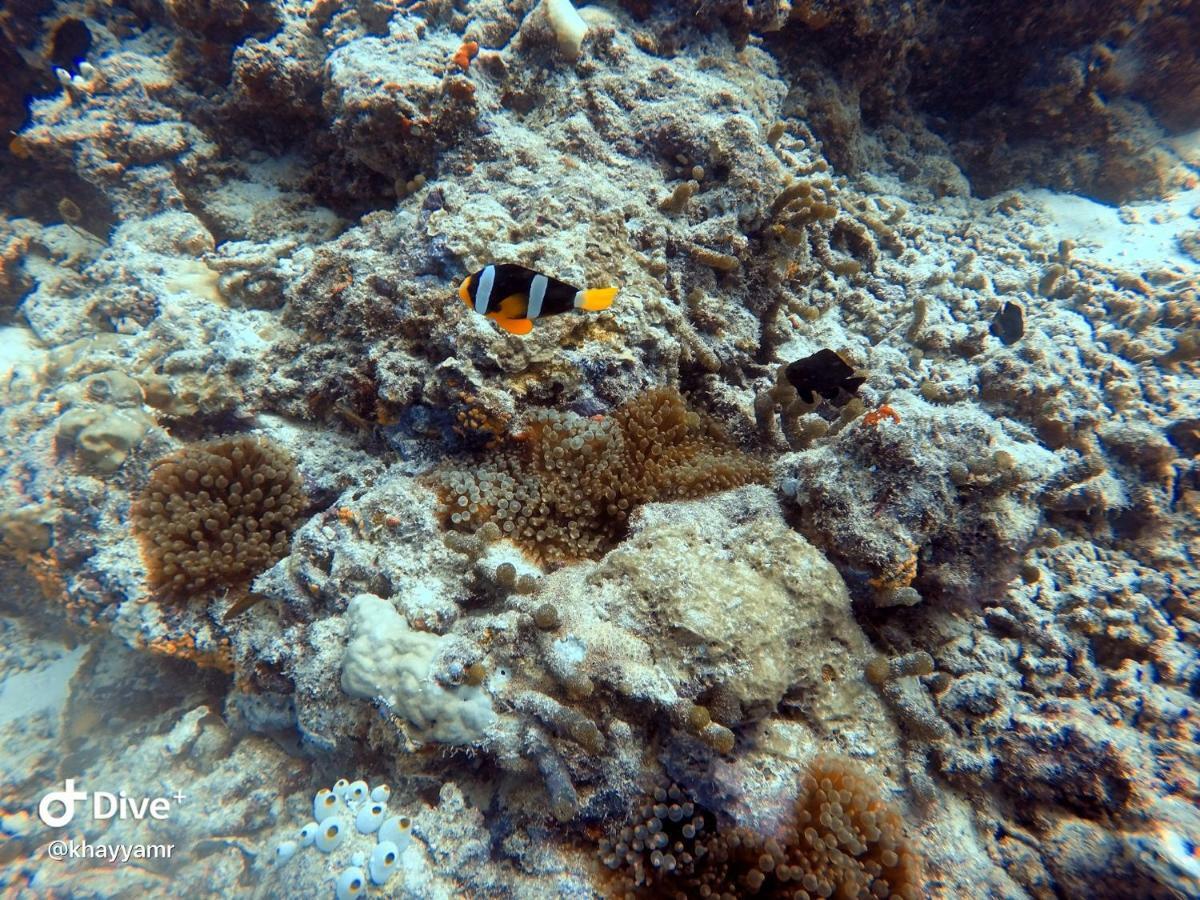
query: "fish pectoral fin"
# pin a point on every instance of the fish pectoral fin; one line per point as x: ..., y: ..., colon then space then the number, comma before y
x: 513, y: 306
x: 515, y: 326
x: 596, y: 299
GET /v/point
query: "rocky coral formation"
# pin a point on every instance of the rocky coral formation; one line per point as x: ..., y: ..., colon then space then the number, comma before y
x: 788, y: 629
x: 1061, y: 95
x: 905, y: 530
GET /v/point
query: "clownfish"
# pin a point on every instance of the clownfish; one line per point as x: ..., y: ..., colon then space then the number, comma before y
x: 513, y: 296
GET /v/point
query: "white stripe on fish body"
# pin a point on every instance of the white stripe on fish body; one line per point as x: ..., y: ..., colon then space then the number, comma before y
x: 537, y: 293
x: 579, y: 299
x: 483, y: 292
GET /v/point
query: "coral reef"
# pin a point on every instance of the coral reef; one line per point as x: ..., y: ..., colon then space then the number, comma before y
x: 930, y: 505
x: 906, y: 530
x: 690, y: 569
x: 1062, y: 95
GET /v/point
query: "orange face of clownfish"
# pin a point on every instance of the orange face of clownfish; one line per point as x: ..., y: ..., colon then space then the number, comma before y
x: 513, y: 296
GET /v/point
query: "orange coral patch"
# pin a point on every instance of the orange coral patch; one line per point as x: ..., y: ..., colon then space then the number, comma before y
x: 896, y: 577
x: 878, y: 415
x: 219, y: 657
x: 463, y: 56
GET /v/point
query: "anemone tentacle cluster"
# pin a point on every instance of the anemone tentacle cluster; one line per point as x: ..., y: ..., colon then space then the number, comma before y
x: 566, y: 489
x: 217, y: 514
x: 842, y: 841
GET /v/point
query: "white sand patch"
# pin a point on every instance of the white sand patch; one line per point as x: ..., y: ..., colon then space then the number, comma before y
x: 19, y: 350
x: 26, y: 693
x: 1136, y: 235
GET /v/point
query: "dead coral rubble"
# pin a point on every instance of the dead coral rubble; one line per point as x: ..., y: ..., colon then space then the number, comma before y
x: 1066, y: 94
x: 889, y: 502
x: 566, y: 488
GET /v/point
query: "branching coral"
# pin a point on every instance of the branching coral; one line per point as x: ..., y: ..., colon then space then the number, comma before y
x: 566, y: 487
x: 217, y: 514
x: 842, y: 841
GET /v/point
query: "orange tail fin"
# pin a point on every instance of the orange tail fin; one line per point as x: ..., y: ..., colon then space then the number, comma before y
x: 596, y: 299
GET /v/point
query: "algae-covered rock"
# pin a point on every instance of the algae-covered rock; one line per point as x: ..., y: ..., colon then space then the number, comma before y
x: 25, y: 530
x: 103, y: 435
x: 233, y: 218
x: 737, y: 599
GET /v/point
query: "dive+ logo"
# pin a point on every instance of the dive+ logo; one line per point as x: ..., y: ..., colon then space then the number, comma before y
x: 57, y: 808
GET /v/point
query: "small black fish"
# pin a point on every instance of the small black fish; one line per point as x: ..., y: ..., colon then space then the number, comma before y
x: 823, y: 373
x: 1009, y: 323
x: 513, y: 296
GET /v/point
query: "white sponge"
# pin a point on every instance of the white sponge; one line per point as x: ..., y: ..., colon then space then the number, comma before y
x: 388, y: 661
x: 568, y: 26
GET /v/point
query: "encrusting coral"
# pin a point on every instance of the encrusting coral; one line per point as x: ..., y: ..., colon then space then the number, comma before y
x: 842, y: 841
x: 217, y: 514
x: 567, y: 486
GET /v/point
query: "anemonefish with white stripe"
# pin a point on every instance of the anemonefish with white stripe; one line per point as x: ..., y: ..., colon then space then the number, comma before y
x: 513, y: 296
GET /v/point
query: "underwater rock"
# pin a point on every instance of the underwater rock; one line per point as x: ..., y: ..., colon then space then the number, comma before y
x: 885, y: 501
x: 745, y: 602
x: 388, y: 662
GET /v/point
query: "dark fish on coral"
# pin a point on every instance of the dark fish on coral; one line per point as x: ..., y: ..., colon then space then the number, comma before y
x: 1009, y: 323
x: 824, y: 373
x: 513, y: 296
